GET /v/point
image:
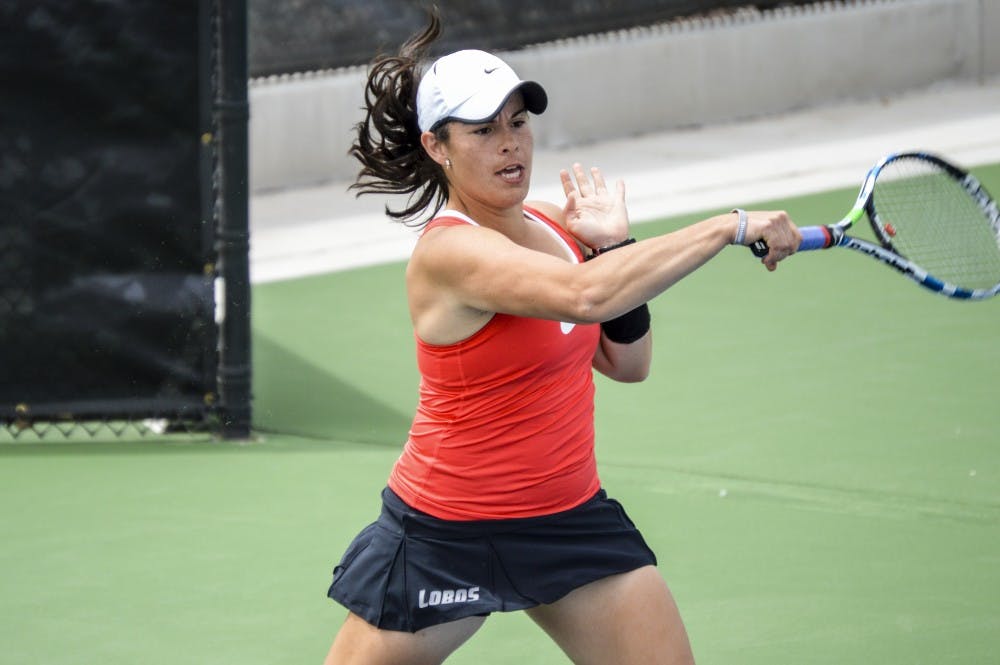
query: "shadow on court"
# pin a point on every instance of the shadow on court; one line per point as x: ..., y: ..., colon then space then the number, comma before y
x: 296, y: 397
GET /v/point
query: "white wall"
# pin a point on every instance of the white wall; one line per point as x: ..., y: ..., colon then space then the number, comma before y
x: 647, y: 80
x: 989, y: 27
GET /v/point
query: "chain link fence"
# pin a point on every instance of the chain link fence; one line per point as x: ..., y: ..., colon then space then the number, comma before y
x: 287, y: 36
x: 109, y: 205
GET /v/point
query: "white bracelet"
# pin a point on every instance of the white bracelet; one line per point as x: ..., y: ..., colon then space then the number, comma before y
x: 741, y: 229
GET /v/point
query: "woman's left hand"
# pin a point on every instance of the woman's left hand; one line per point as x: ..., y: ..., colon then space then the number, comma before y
x: 594, y: 215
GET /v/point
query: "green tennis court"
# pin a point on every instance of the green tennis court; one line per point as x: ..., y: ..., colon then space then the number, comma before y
x: 814, y: 460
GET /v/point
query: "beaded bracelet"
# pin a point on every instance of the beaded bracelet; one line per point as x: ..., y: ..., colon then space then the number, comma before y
x: 601, y: 250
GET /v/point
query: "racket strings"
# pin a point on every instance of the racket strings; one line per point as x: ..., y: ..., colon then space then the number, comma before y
x: 929, y: 217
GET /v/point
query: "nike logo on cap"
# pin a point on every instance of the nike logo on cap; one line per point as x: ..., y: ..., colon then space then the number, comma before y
x: 490, y: 71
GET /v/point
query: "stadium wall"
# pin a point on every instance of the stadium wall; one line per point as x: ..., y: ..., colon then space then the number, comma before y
x: 686, y: 73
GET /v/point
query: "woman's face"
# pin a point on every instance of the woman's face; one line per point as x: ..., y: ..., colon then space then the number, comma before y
x: 491, y: 161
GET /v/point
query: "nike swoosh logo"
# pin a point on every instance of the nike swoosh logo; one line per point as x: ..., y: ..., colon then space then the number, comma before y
x: 566, y: 328
x: 490, y: 71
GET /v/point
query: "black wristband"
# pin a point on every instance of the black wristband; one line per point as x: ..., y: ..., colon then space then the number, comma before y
x: 629, y: 327
x: 601, y: 250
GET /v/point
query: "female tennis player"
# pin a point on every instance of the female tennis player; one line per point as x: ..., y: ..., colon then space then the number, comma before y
x: 495, y: 503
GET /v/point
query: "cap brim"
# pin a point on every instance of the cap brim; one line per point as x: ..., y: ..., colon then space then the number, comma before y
x: 535, y: 101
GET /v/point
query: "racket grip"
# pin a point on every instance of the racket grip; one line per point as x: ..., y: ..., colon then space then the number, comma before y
x: 813, y: 237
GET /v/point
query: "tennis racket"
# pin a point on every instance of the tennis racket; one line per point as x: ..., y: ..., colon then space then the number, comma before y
x: 935, y: 222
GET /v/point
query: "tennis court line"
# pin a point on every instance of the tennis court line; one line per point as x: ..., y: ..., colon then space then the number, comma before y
x: 815, y: 496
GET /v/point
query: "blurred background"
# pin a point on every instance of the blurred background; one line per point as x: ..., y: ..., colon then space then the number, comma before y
x: 342, y: 33
x: 694, y: 103
x: 612, y: 70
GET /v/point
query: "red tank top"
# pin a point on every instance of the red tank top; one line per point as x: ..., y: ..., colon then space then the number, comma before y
x: 504, y: 426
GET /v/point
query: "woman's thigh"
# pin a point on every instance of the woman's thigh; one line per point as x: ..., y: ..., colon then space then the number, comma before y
x: 622, y: 619
x: 360, y: 643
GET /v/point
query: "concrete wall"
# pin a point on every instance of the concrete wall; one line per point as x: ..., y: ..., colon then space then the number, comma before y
x: 689, y: 73
x: 989, y: 28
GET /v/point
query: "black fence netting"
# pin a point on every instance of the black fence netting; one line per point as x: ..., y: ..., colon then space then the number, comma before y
x: 289, y: 36
x: 106, y: 247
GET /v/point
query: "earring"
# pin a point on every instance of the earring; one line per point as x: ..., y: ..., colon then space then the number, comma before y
x: 447, y: 163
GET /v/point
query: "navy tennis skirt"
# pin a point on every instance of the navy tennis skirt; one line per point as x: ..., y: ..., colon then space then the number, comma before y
x: 409, y: 570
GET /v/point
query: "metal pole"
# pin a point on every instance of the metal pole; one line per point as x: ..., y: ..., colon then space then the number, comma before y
x: 233, y: 112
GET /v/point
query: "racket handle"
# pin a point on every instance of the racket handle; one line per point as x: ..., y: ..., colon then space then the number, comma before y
x: 813, y: 237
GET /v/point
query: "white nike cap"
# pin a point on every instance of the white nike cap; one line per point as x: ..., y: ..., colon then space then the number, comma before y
x: 471, y: 86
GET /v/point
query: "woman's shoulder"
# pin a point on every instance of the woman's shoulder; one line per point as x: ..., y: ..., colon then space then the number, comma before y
x: 445, y: 218
x: 549, y: 210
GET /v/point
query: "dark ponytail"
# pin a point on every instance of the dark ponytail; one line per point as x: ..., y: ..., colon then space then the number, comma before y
x: 388, y: 139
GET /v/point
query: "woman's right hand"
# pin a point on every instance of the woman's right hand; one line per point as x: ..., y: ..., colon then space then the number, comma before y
x: 775, y: 228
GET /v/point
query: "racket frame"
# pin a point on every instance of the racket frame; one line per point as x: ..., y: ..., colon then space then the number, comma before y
x: 835, y: 235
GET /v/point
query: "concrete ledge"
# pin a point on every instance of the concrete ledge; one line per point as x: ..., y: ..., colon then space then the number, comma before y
x: 689, y: 73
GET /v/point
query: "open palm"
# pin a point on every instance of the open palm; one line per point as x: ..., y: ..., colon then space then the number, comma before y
x: 593, y: 214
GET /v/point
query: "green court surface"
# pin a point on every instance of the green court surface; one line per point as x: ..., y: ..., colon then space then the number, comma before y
x: 814, y: 459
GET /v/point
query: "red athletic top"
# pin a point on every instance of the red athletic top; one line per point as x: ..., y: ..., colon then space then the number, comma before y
x: 504, y: 426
